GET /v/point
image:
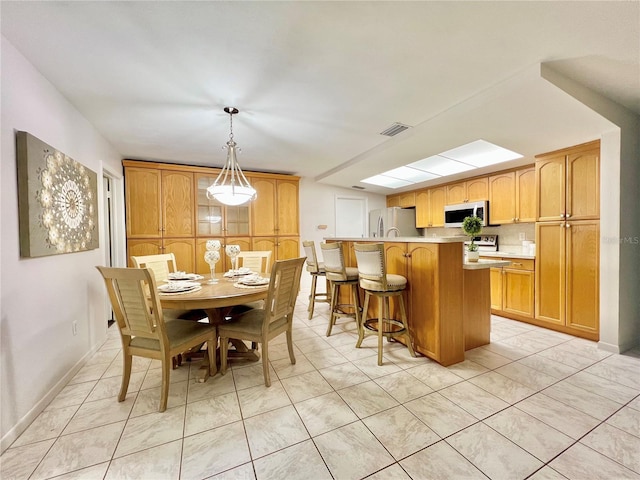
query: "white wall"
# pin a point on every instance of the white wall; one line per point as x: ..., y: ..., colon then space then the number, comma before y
x: 317, y: 207
x: 41, y: 297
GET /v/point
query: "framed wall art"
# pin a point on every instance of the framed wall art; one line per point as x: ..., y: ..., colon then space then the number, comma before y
x: 57, y: 200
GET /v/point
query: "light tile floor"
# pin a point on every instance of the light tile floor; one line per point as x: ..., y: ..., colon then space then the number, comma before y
x: 533, y: 404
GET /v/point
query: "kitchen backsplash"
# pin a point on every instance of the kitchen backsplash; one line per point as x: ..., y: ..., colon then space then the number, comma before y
x: 508, y: 234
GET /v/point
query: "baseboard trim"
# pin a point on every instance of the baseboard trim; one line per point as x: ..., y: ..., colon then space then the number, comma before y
x: 13, y: 434
x: 608, y: 347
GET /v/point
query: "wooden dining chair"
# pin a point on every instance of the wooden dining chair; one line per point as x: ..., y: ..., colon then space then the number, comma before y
x: 142, y: 327
x: 257, y: 260
x: 275, y: 318
x: 161, y: 264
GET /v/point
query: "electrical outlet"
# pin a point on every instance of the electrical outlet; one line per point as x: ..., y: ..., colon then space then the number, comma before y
x: 521, y: 236
x: 74, y: 328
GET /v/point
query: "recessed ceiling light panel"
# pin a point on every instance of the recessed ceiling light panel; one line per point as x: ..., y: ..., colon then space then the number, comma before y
x: 441, y: 166
x: 481, y: 154
x: 457, y: 160
x: 384, y: 181
x: 409, y: 174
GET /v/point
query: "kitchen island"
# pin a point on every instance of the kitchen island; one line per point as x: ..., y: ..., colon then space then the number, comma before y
x: 448, y: 299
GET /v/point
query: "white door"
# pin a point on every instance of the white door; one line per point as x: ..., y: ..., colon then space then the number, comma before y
x: 351, y: 216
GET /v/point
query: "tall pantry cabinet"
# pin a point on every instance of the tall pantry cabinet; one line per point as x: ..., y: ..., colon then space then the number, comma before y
x: 160, y: 213
x: 567, y: 238
x: 167, y: 211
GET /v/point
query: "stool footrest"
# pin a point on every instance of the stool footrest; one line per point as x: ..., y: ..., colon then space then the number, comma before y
x: 394, y: 326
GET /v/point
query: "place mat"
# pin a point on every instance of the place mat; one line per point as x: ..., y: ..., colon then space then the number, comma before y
x: 191, y: 290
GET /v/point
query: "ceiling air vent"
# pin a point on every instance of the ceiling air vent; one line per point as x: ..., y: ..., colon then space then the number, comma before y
x: 357, y: 187
x: 395, y: 129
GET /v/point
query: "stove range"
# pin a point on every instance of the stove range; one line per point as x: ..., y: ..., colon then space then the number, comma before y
x: 486, y: 243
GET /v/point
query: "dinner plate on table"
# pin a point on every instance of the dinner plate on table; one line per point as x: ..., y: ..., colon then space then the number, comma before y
x: 178, y: 287
x: 239, y: 272
x: 254, y: 282
x: 182, y: 276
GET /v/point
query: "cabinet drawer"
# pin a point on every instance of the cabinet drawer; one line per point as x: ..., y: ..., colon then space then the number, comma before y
x: 520, y: 264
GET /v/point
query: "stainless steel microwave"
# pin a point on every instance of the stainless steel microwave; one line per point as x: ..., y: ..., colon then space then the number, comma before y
x: 455, y: 214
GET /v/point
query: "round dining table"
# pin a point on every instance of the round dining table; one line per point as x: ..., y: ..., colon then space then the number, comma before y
x: 217, y: 300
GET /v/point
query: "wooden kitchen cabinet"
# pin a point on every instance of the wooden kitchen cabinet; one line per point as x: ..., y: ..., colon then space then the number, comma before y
x: 495, y: 276
x: 432, y: 270
x: 568, y: 183
x: 512, y: 197
x: 430, y: 207
x: 275, y: 210
x: 404, y: 200
x: 218, y: 220
x: 393, y: 201
x: 473, y: 190
x: 287, y: 247
x: 567, y: 275
x: 512, y: 288
x: 167, y: 210
x: 518, y: 290
x: 159, y: 203
x: 408, y: 199
x: 143, y: 192
x: 182, y: 248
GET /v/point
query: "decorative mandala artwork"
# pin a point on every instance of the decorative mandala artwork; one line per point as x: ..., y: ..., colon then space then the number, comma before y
x: 57, y: 200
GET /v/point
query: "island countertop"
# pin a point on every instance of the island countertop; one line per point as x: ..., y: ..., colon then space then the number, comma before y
x: 450, y: 239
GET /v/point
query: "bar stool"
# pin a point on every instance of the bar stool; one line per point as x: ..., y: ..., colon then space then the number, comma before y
x: 316, y: 269
x: 338, y: 276
x: 375, y: 281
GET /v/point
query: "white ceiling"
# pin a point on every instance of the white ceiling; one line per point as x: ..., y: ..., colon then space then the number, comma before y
x: 316, y: 82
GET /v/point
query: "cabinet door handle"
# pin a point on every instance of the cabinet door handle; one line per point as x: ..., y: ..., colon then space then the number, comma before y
x: 562, y: 215
x: 567, y: 225
x: 517, y: 219
x: 568, y: 215
x: 517, y: 264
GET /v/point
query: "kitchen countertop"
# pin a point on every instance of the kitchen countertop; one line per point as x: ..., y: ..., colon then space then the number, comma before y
x: 482, y: 264
x: 509, y: 252
x: 451, y: 239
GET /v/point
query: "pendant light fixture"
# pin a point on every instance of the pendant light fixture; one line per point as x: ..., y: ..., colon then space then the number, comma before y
x: 231, y: 187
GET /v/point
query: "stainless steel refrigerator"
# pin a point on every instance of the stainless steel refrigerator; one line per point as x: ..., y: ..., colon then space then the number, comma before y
x: 393, y: 222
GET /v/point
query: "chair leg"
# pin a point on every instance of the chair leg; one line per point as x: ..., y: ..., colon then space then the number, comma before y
x: 292, y: 357
x: 265, y: 363
x: 363, y: 319
x: 356, y: 303
x: 381, y: 304
x: 164, y: 390
x: 335, y: 290
x: 407, y: 336
x: 224, y: 347
x: 312, y: 296
x: 126, y: 375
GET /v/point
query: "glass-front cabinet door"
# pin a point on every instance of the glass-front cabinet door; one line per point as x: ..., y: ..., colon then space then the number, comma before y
x: 216, y: 219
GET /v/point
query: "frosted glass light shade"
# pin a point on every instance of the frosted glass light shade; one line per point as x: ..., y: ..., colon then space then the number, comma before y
x: 232, y: 194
